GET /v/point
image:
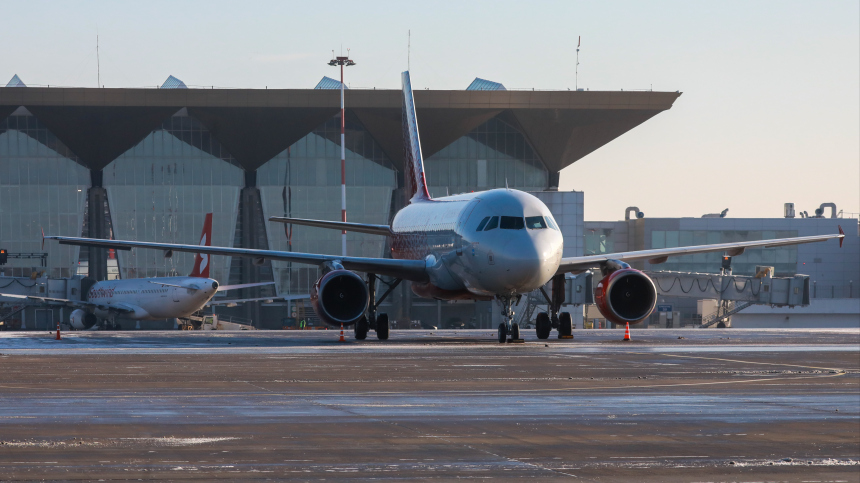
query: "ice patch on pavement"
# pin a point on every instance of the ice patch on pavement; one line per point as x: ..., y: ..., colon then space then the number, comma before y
x: 171, y: 441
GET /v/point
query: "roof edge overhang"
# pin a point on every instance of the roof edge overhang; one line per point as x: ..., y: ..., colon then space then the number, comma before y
x: 79, y: 96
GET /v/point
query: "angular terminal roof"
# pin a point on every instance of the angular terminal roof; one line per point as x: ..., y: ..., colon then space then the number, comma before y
x: 173, y: 83
x: 329, y: 83
x: 485, y: 85
x: 16, y: 81
x: 255, y: 124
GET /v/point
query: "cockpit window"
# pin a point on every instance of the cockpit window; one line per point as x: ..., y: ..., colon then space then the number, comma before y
x: 551, y: 223
x: 512, y: 223
x: 535, y: 222
x: 483, y: 223
x: 494, y: 223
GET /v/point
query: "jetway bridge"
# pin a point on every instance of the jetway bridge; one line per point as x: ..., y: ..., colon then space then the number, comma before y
x: 733, y: 292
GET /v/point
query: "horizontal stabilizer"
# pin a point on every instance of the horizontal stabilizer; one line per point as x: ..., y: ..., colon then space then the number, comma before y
x: 336, y: 225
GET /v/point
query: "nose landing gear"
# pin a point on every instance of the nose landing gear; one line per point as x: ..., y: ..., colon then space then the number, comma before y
x: 508, y: 326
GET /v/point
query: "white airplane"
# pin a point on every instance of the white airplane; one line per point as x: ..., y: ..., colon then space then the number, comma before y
x: 146, y: 298
x: 496, y: 244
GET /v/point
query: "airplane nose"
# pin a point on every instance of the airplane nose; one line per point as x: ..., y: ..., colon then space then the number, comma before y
x: 532, y: 263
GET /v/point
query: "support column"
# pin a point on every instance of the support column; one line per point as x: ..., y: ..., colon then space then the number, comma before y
x: 96, y: 226
x: 554, y: 179
x: 250, y: 196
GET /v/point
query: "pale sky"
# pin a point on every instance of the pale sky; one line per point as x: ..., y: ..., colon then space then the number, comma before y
x: 770, y: 111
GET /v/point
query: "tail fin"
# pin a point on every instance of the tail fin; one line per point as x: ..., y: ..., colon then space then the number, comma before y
x: 201, y: 261
x: 415, y: 179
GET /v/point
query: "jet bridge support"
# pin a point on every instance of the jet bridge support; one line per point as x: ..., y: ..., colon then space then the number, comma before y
x: 735, y: 292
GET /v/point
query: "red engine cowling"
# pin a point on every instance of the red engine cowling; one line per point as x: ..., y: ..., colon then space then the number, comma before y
x: 625, y: 295
x: 340, y: 297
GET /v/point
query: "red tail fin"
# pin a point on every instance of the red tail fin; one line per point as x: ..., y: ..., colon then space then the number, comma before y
x: 201, y: 261
x: 416, y: 181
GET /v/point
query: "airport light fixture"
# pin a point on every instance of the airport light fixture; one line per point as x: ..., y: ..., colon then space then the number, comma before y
x: 342, y: 61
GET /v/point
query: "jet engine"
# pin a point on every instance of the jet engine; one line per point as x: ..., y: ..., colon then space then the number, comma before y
x: 625, y: 294
x: 82, y: 320
x: 340, y: 297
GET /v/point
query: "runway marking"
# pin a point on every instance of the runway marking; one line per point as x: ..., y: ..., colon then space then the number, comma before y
x: 749, y: 362
x: 463, y: 393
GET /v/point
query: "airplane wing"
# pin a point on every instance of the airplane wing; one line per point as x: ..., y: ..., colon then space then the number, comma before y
x: 413, y: 270
x: 68, y: 302
x: 224, y: 288
x: 336, y: 225
x: 235, y: 302
x: 660, y: 255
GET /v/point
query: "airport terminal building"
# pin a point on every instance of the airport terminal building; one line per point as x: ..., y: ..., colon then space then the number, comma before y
x: 148, y: 164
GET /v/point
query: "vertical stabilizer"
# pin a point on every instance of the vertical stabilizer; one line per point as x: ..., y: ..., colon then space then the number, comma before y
x: 201, y: 261
x: 414, y: 162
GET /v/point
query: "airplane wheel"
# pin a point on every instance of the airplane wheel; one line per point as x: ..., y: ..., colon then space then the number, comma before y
x: 515, y: 331
x: 361, y: 328
x: 543, y: 326
x: 565, y: 325
x: 503, y: 333
x: 382, y: 327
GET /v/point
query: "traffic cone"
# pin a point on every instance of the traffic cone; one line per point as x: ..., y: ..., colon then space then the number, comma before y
x: 627, y: 332
x: 341, y: 334
x: 58, y: 332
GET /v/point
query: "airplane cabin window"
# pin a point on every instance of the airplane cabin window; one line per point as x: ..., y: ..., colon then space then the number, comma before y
x: 483, y: 223
x: 512, y: 223
x: 535, y: 222
x: 551, y: 223
x: 494, y: 223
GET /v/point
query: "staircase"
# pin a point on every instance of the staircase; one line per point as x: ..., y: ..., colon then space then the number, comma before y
x: 7, y: 313
x: 533, y: 299
x: 730, y: 309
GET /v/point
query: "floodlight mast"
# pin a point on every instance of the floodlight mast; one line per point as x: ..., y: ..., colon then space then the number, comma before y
x: 342, y: 61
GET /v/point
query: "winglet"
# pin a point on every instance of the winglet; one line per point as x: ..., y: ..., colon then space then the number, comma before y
x: 43, y: 239
x: 842, y: 236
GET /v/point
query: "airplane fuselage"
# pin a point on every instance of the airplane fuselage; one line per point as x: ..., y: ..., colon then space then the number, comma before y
x: 147, y: 299
x: 479, y: 245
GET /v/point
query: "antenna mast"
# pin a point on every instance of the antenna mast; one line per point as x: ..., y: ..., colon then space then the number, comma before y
x: 576, y: 75
x: 98, y: 64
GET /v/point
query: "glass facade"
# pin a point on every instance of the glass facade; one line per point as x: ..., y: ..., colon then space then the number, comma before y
x: 304, y: 181
x: 599, y: 241
x: 783, y: 259
x: 490, y: 156
x: 160, y: 191
x: 42, y: 186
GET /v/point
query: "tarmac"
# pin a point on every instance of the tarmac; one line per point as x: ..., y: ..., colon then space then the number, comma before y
x: 680, y: 405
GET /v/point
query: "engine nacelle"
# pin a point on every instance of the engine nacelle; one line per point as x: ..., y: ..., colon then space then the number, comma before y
x: 340, y: 297
x: 625, y: 295
x: 82, y: 320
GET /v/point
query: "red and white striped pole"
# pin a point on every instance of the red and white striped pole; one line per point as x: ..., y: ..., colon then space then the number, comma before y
x: 342, y: 61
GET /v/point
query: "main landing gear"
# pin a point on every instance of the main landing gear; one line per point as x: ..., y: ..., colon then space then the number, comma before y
x: 508, y: 327
x: 546, y: 322
x: 372, y: 320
